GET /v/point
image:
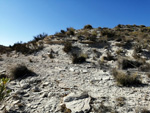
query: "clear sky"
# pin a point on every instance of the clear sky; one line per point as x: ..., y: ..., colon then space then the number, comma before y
x: 20, y: 20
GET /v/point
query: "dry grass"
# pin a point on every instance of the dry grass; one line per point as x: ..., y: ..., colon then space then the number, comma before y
x: 120, y: 101
x: 124, y: 63
x: 64, y: 109
x: 19, y: 71
x: 124, y: 79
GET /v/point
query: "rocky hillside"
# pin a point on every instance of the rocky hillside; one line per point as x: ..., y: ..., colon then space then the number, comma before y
x: 90, y: 70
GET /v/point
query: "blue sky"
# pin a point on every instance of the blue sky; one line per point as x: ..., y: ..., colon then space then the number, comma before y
x: 20, y: 20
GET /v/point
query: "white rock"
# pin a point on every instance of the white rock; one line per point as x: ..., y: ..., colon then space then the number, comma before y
x: 71, y: 69
x: 77, y: 102
x: 84, y: 71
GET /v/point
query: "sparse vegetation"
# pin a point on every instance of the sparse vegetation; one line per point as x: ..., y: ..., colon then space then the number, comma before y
x: 100, y: 49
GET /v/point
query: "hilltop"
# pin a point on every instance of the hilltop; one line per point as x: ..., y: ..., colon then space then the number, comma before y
x: 90, y: 70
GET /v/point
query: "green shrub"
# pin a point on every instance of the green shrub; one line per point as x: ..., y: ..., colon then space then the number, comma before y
x: 3, y: 90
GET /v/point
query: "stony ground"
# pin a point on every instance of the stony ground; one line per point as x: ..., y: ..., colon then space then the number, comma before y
x: 58, y: 77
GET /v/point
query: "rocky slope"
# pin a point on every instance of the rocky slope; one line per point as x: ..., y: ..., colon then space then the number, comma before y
x: 89, y: 87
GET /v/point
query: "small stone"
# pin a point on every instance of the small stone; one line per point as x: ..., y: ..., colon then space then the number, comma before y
x: 45, y: 84
x: 84, y: 71
x: 26, y: 95
x: 44, y: 95
x: 13, y: 83
x: 15, y: 102
x: 71, y: 69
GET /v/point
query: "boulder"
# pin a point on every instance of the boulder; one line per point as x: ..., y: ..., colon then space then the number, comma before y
x: 78, y: 102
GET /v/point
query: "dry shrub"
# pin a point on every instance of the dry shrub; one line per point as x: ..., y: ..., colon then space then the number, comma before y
x: 1, y: 59
x: 108, y: 32
x: 119, y: 51
x: 124, y: 79
x: 109, y: 57
x: 120, y: 101
x: 64, y: 109
x: 88, y: 27
x: 102, y: 109
x: 78, y: 59
x: 4, y: 49
x: 142, y: 110
x: 83, y: 33
x: 51, y: 54
x: 19, y: 71
x: 25, y: 48
x: 124, y: 63
x: 92, y: 37
x: 70, y: 31
x: 67, y: 47
x: 145, y: 67
x: 59, y: 34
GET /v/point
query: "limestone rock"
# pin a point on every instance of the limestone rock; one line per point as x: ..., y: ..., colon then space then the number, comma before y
x: 77, y: 102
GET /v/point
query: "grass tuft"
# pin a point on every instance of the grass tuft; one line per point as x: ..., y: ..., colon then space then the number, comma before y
x: 19, y: 71
x: 124, y: 79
